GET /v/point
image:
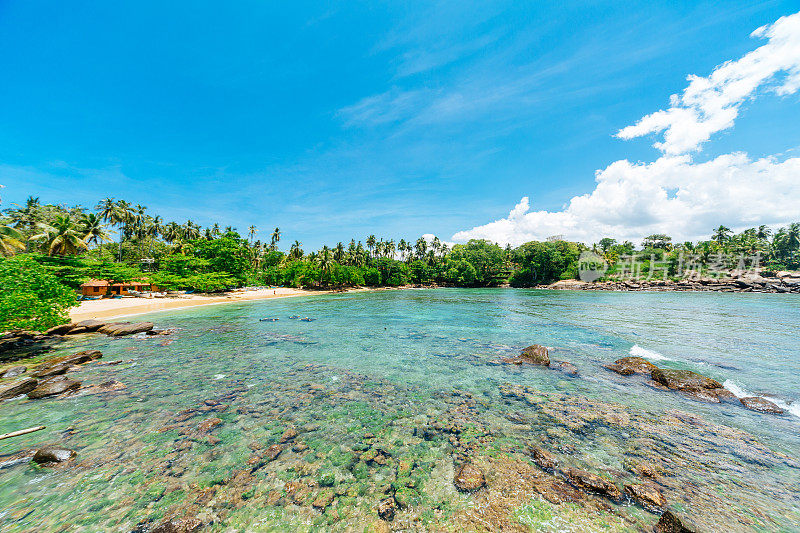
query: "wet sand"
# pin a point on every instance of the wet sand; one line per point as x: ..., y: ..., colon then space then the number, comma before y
x: 121, y: 307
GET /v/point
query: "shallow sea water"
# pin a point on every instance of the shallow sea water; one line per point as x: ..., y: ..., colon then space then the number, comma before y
x: 388, y: 390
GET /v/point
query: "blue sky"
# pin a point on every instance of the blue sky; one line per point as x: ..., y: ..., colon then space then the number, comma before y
x: 337, y: 120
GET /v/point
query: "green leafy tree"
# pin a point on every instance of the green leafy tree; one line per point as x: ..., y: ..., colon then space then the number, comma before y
x: 31, y: 297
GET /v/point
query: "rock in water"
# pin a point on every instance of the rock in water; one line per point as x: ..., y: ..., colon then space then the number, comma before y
x: 178, y: 525
x: 632, y: 365
x: 469, y: 478
x: 90, y: 325
x: 53, y: 454
x: 118, y: 329
x: 386, y: 509
x: 17, y: 388
x: 288, y: 435
x: 62, y: 329
x: 669, y: 523
x: 754, y: 403
x: 566, y: 367
x: 13, y: 372
x: 60, y: 365
x: 591, y: 482
x: 273, y: 452
x: 53, y: 387
x: 544, y: 459
x: 646, y: 495
x: 535, y: 355
x: 684, y: 380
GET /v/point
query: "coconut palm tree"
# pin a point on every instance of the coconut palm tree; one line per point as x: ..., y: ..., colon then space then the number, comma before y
x: 338, y: 254
x: 390, y: 248
x: 10, y: 240
x: 93, y: 229
x: 26, y: 217
x: 62, y: 237
x: 421, y: 247
x: 721, y: 234
x: 371, y: 243
x: 274, y: 239
x: 252, y: 232
x: 295, y: 251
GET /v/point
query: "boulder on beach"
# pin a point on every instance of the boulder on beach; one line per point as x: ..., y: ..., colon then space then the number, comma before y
x: 754, y: 403
x: 18, y: 388
x: 53, y: 454
x: 54, y: 386
x: 632, y: 365
x: 468, y: 478
x: 61, y: 329
x: 684, y: 380
x: 593, y: 483
x: 119, y: 329
x: 13, y: 372
x: 90, y: 325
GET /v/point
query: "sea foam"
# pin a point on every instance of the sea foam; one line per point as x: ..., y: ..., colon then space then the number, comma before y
x: 740, y: 392
x: 638, y: 351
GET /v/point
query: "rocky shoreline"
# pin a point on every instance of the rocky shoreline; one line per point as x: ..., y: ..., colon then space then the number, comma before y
x: 765, y: 282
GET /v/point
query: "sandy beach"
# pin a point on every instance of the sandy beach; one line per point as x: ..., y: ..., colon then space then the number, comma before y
x: 122, y: 307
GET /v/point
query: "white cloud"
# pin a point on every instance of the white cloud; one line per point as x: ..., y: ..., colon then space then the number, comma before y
x: 673, y: 194
x: 711, y: 104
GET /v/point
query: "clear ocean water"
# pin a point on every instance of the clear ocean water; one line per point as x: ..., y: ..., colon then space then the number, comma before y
x: 387, y: 358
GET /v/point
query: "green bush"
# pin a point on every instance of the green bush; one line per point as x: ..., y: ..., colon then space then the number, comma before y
x: 31, y: 297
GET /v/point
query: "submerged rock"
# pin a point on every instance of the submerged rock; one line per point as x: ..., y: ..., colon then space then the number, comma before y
x: 60, y: 365
x: 273, y: 452
x: 684, y: 380
x: 18, y: 388
x: 53, y: 454
x: 178, y: 525
x: 566, y: 367
x: 13, y: 372
x: 386, y: 509
x: 669, y: 523
x: 52, y: 387
x: 469, y: 478
x: 632, y: 365
x: 288, y: 435
x: 646, y: 495
x: 754, y: 403
x: 544, y: 459
x: 594, y: 483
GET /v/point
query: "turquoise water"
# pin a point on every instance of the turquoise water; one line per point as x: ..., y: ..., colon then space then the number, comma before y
x: 386, y: 363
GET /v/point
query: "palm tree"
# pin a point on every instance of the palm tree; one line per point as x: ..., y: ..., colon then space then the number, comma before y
x: 93, y: 229
x: 171, y: 232
x: 390, y: 248
x: 763, y: 232
x: 338, y: 254
x: 421, y: 247
x: 252, y: 232
x: 371, y: 243
x: 62, y: 237
x: 274, y: 239
x: 295, y: 251
x: 10, y: 240
x: 721, y: 234
x: 27, y: 217
x: 436, y: 244
x: 793, y: 236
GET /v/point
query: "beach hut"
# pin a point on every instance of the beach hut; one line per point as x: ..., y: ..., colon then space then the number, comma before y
x: 94, y: 287
x: 123, y: 288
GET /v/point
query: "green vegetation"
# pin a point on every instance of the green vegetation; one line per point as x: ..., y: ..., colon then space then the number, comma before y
x: 73, y: 245
x: 31, y: 297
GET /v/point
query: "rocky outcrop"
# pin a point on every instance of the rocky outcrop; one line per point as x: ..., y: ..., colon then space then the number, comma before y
x: 468, y: 478
x: 18, y: 388
x: 754, y: 403
x: 13, y: 371
x: 544, y: 459
x: 532, y: 355
x: 118, y: 329
x: 734, y: 281
x: 632, y: 365
x: 60, y: 365
x: 178, y: 525
x: 669, y: 523
x: 593, y: 483
x: 683, y: 380
x: 54, y: 386
x: 646, y: 495
x: 53, y: 454
x: 386, y: 509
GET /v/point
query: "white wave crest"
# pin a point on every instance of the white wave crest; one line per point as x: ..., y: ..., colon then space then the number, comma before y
x: 638, y: 351
x: 740, y: 392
